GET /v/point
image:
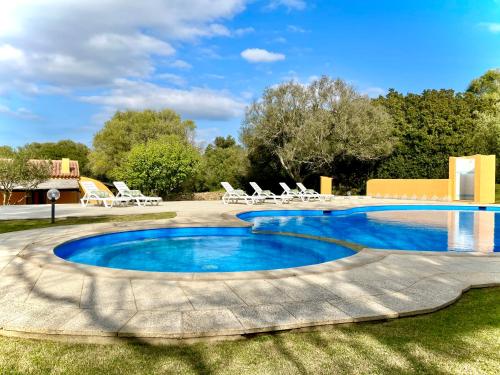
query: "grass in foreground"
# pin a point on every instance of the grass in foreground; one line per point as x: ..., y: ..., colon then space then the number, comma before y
x: 462, y: 339
x: 15, y: 225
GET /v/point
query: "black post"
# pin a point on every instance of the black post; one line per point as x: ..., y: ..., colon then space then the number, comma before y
x: 53, y: 216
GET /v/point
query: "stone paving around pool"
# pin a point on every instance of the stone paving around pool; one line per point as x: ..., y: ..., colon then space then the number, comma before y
x: 46, y: 297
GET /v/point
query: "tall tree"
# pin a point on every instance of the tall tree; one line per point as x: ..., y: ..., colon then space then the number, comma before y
x: 224, y: 160
x: 127, y: 129
x: 431, y: 127
x: 309, y: 128
x: 19, y: 171
x: 487, y: 136
x: 6, y: 152
x: 61, y: 149
x: 488, y: 85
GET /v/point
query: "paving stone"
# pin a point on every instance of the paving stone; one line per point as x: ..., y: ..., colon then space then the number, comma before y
x: 10, y: 311
x: 107, y: 293
x: 42, y: 319
x: 154, y: 324
x: 210, y: 323
x: 98, y: 322
x: 299, y: 289
x: 478, y: 278
x: 482, y: 266
x: 19, y: 267
x: 406, y: 304
x: 353, y: 289
x: 257, y: 292
x: 160, y: 295
x: 437, y: 288
x: 15, y: 288
x: 361, y: 309
x: 57, y: 288
x: 205, y: 295
x: 265, y: 317
x: 319, y: 312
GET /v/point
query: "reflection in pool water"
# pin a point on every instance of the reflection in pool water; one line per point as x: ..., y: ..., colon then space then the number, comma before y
x: 438, y: 230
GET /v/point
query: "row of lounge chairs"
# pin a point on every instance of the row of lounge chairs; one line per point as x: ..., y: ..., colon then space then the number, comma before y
x: 232, y: 195
x: 125, y: 195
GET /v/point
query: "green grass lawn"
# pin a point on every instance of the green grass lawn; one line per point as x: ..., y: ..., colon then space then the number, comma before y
x: 15, y: 225
x: 461, y: 339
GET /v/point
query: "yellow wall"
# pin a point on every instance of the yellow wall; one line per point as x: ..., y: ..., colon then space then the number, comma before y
x: 411, y: 189
x: 484, y: 183
x: 326, y: 185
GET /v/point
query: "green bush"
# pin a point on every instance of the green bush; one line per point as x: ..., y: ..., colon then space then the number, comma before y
x: 160, y: 166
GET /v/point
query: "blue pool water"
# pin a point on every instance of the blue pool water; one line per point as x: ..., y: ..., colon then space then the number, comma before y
x: 441, y: 228
x: 435, y: 228
x: 199, y: 250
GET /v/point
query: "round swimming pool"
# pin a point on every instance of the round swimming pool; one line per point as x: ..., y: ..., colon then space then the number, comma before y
x: 199, y: 250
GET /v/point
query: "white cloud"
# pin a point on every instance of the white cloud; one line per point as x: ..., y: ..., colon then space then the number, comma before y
x: 279, y: 39
x: 172, y: 78
x: 180, y: 64
x: 295, y: 29
x: 91, y: 43
x: 21, y: 113
x: 289, y: 4
x: 197, y: 103
x: 243, y: 31
x: 492, y: 27
x: 258, y: 55
x: 374, y: 92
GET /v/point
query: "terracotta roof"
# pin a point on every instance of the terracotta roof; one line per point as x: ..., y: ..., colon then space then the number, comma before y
x: 74, y: 170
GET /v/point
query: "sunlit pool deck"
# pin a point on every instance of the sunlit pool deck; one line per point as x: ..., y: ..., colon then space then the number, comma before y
x: 44, y: 296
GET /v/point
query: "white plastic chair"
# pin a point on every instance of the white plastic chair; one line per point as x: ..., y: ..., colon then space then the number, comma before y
x: 314, y: 193
x: 136, y: 195
x: 262, y: 195
x: 93, y: 193
x: 234, y: 195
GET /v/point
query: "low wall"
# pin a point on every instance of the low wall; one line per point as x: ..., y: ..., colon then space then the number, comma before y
x: 409, y: 189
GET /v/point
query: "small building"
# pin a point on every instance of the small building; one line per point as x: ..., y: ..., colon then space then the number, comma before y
x: 65, y: 176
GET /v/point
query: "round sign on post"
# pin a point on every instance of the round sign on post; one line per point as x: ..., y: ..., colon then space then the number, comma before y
x: 53, y: 195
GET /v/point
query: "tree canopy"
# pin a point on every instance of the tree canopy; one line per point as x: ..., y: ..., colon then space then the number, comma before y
x: 224, y: 160
x: 430, y: 127
x: 309, y: 128
x: 488, y: 85
x: 130, y: 128
x: 160, y: 166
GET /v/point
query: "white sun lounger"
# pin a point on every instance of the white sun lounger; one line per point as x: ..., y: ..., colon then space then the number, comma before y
x: 261, y: 195
x: 234, y: 195
x: 136, y: 195
x: 313, y: 192
x: 295, y: 193
x: 92, y: 193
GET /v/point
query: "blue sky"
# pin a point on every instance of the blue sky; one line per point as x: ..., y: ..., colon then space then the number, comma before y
x: 67, y: 65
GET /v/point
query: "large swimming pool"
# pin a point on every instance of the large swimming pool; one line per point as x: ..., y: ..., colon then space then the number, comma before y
x: 424, y: 228
x: 277, y: 239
